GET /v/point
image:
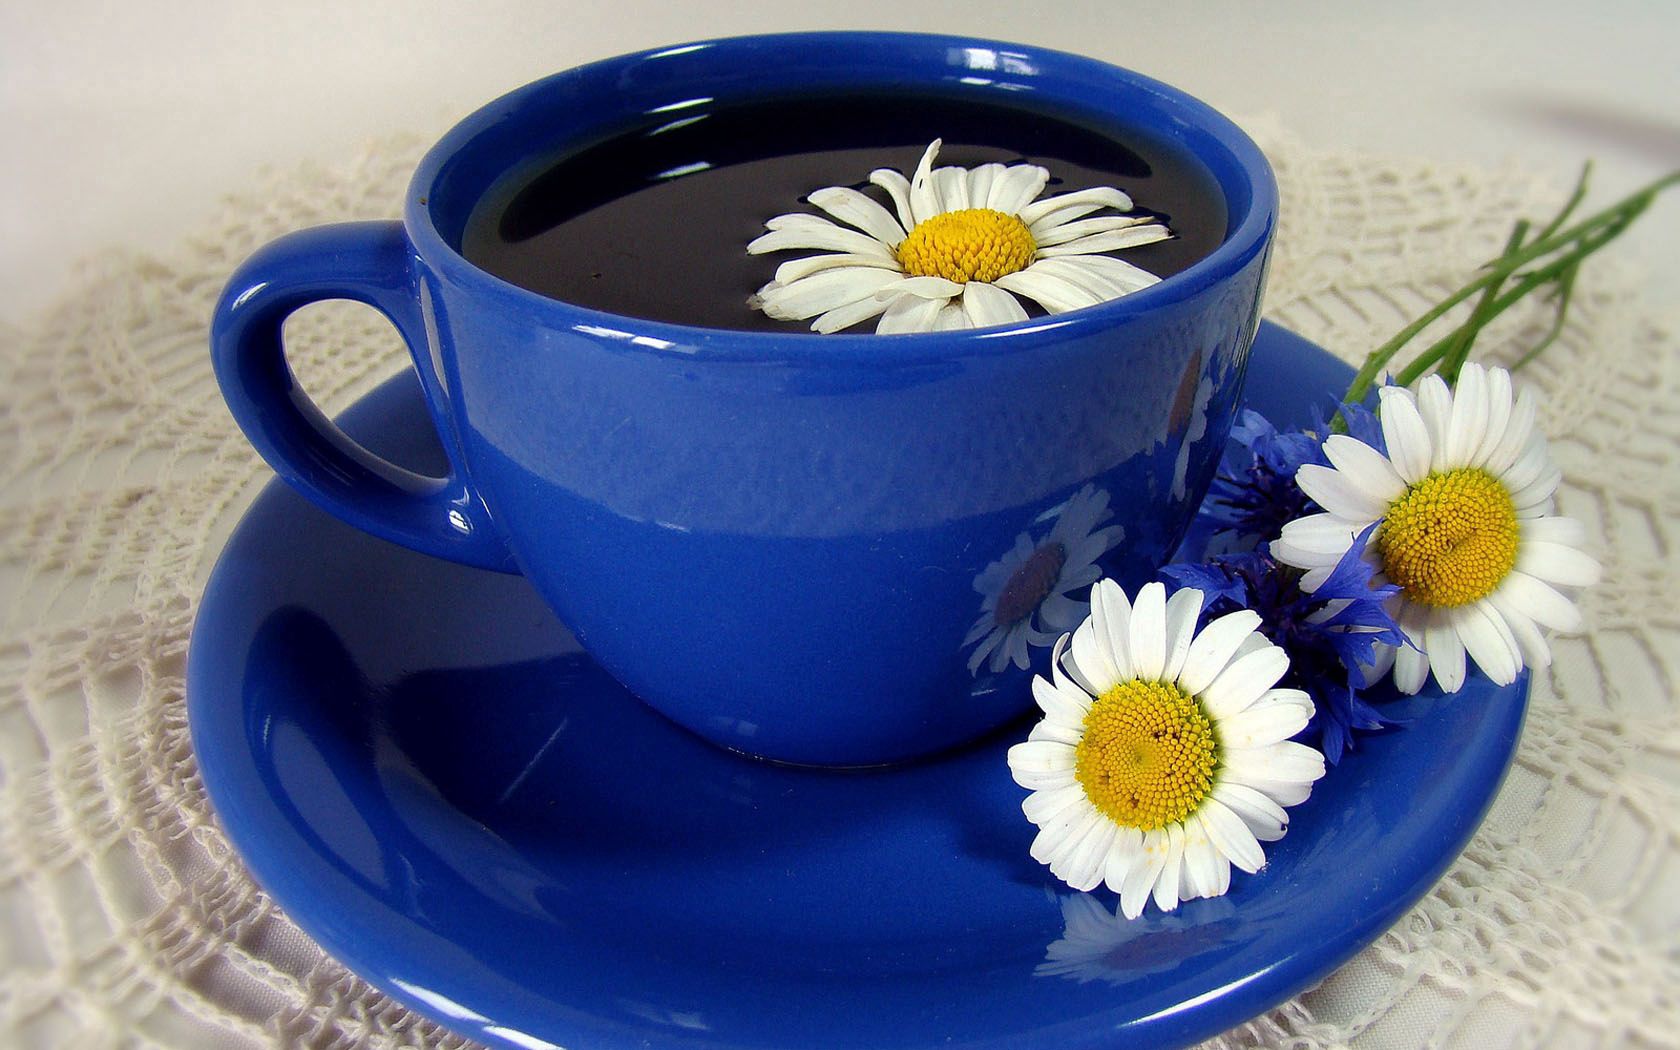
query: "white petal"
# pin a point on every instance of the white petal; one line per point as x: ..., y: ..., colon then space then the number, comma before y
x: 1057, y: 732
x: 1213, y: 649
x: 1435, y: 406
x: 1092, y: 660
x: 1263, y: 724
x: 1089, y: 281
x: 1488, y: 642
x: 1042, y: 807
x: 1124, y: 854
x: 828, y: 237
x: 1411, y: 663
x: 1531, y: 463
x: 951, y: 318
x: 1409, y: 448
x: 1048, y: 234
x: 1182, y: 610
x: 925, y: 288
x: 909, y: 313
x: 1149, y: 632
x: 1040, y: 756
x: 1111, y: 624
x: 1530, y: 641
x: 1230, y: 835
x: 797, y: 269
x: 1286, y: 770
x: 1519, y: 430
x: 1079, y: 202
x: 1141, y: 878
x: 799, y: 220
x: 953, y: 188
x: 1056, y: 294
x: 843, y: 317
x: 1498, y: 383
x: 848, y: 205
x: 1286, y: 762
x: 1567, y: 531
x: 1537, y: 494
x: 898, y: 188
x: 1336, y: 494
x: 1365, y: 467
x: 924, y: 194
x: 1055, y: 841
x: 1201, y: 862
x: 1319, y: 536
x: 1467, y: 428
x: 824, y: 291
x: 1166, y: 884
x: 1043, y: 779
x: 987, y: 305
x: 1064, y: 702
x: 1118, y: 272
x: 1243, y: 681
x: 980, y: 183
x: 1112, y: 241
x: 1446, y: 652
x: 1543, y: 604
x: 1263, y: 817
x: 1015, y: 188
x: 1558, y: 564
x: 1085, y: 864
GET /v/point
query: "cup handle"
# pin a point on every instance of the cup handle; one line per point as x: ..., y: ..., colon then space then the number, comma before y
x: 372, y: 263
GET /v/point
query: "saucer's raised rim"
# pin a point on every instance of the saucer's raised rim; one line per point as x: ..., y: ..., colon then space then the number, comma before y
x: 303, y: 886
x: 1237, y: 250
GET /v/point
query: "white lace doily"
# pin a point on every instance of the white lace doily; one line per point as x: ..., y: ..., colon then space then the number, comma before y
x: 125, y: 920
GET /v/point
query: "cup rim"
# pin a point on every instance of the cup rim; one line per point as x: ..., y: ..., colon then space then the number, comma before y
x: 1242, y: 242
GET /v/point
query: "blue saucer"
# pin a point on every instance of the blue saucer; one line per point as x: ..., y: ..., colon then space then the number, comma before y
x: 424, y: 770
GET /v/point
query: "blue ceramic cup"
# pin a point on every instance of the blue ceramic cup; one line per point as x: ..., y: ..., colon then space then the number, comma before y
x: 837, y: 550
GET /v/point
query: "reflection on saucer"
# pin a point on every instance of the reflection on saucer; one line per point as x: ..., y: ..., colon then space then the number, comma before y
x: 1102, y: 945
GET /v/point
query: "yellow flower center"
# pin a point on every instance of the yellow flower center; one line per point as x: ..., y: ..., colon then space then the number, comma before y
x: 1147, y: 756
x: 1451, y: 538
x: 975, y: 244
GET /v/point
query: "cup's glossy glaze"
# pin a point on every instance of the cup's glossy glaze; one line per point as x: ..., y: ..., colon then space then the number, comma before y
x: 816, y: 549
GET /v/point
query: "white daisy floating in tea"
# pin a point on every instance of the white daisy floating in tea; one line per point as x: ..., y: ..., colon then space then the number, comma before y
x: 964, y: 244
x: 1164, y: 757
x: 1463, y: 507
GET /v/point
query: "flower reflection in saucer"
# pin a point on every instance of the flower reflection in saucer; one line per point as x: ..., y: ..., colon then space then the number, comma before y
x: 1102, y: 945
x: 1028, y: 594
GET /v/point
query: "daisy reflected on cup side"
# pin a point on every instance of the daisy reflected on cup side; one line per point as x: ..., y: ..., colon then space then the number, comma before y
x: 959, y: 248
x: 1164, y: 757
x: 1035, y: 592
x: 1462, y: 504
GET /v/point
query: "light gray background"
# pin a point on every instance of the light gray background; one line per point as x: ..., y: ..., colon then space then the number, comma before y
x: 124, y: 122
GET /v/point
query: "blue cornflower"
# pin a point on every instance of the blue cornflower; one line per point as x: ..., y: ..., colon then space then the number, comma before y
x: 1254, y: 494
x: 1329, y: 634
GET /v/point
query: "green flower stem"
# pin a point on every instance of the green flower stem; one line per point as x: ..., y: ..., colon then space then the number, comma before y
x: 1584, y: 234
x: 1565, y: 289
x: 1526, y: 283
x: 1453, y: 362
x: 1459, y: 344
x: 1576, y: 196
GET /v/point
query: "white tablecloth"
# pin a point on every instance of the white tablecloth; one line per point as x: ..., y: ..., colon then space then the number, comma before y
x: 125, y: 920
